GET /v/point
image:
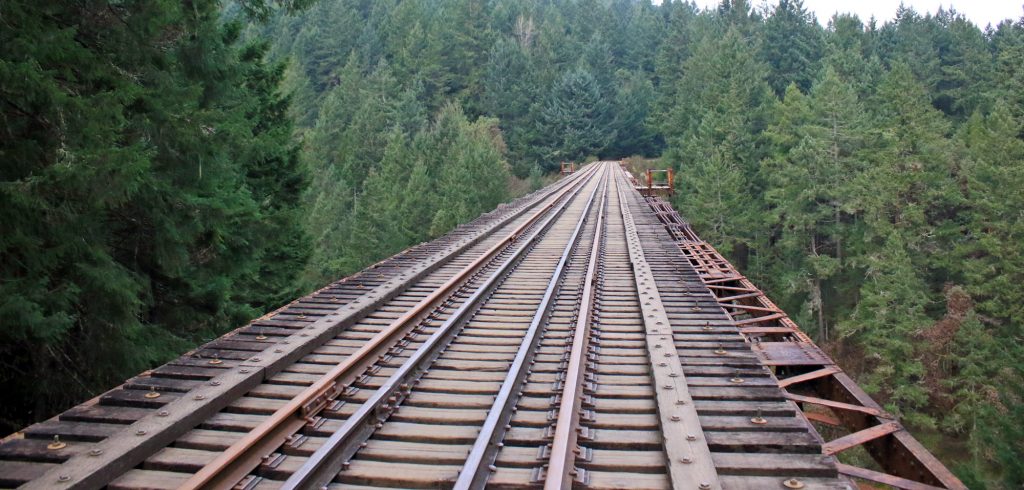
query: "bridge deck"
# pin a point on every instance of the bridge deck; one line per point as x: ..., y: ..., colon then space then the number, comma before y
x: 582, y: 336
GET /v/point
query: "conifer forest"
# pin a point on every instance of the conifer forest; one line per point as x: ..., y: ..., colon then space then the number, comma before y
x: 171, y: 169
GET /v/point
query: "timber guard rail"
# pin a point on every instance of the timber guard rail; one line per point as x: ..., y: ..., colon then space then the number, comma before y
x: 808, y: 376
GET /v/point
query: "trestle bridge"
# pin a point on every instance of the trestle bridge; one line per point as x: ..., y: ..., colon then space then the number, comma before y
x: 582, y: 336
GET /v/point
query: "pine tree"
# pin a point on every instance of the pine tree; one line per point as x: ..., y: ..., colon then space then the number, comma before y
x: 717, y: 122
x: 723, y: 81
x: 1008, y: 76
x: 819, y: 140
x: 378, y: 222
x: 577, y: 120
x: 671, y: 55
x: 473, y: 173
x: 509, y: 85
x: 911, y: 217
x: 913, y: 170
x: 634, y: 97
x: 892, y: 306
x: 993, y: 263
x: 277, y: 179
x: 419, y: 203
x: 710, y: 190
x: 792, y: 46
x: 139, y: 169
x: 849, y: 51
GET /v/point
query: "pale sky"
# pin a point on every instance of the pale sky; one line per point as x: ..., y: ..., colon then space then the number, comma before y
x: 981, y: 12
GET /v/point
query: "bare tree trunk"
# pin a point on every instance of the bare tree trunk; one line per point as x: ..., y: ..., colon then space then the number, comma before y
x: 816, y: 300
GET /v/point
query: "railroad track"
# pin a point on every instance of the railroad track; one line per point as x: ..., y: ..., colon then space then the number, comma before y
x: 564, y: 340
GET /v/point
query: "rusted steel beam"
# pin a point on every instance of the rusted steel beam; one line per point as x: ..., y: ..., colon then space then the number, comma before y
x: 860, y: 437
x: 760, y: 319
x: 734, y: 288
x: 883, y: 478
x: 898, y: 453
x: 834, y: 404
x: 800, y: 378
x: 741, y: 296
x: 718, y: 280
x: 823, y: 418
x: 749, y: 308
x: 765, y: 330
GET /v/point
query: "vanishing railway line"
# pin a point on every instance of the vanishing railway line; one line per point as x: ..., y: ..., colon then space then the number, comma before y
x: 582, y: 336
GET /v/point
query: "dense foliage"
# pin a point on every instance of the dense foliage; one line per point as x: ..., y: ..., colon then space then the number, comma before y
x: 149, y: 191
x: 171, y: 169
x: 869, y: 178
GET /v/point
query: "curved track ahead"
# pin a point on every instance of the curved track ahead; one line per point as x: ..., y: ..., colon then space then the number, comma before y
x: 571, y: 338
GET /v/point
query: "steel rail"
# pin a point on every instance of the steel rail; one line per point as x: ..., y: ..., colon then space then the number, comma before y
x: 561, y: 463
x: 245, y: 455
x: 327, y: 460
x: 474, y: 471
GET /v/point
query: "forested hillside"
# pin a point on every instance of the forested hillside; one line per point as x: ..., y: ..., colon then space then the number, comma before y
x: 172, y: 169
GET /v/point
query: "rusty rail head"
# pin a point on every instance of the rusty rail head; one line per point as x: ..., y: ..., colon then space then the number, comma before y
x: 245, y: 454
x: 563, y: 445
x: 474, y: 472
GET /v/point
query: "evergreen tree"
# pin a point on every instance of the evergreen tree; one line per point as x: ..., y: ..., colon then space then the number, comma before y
x: 849, y: 52
x: 913, y: 168
x: 710, y: 190
x: 725, y: 82
x: 1008, y: 76
x: 993, y: 261
x: 141, y: 172
x: 670, y: 57
x: 819, y: 141
x: 792, y: 46
x: 718, y: 120
x: 891, y: 308
x: 577, y: 119
x: 378, y: 222
x: 509, y: 86
x: 473, y: 173
x: 633, y: 100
